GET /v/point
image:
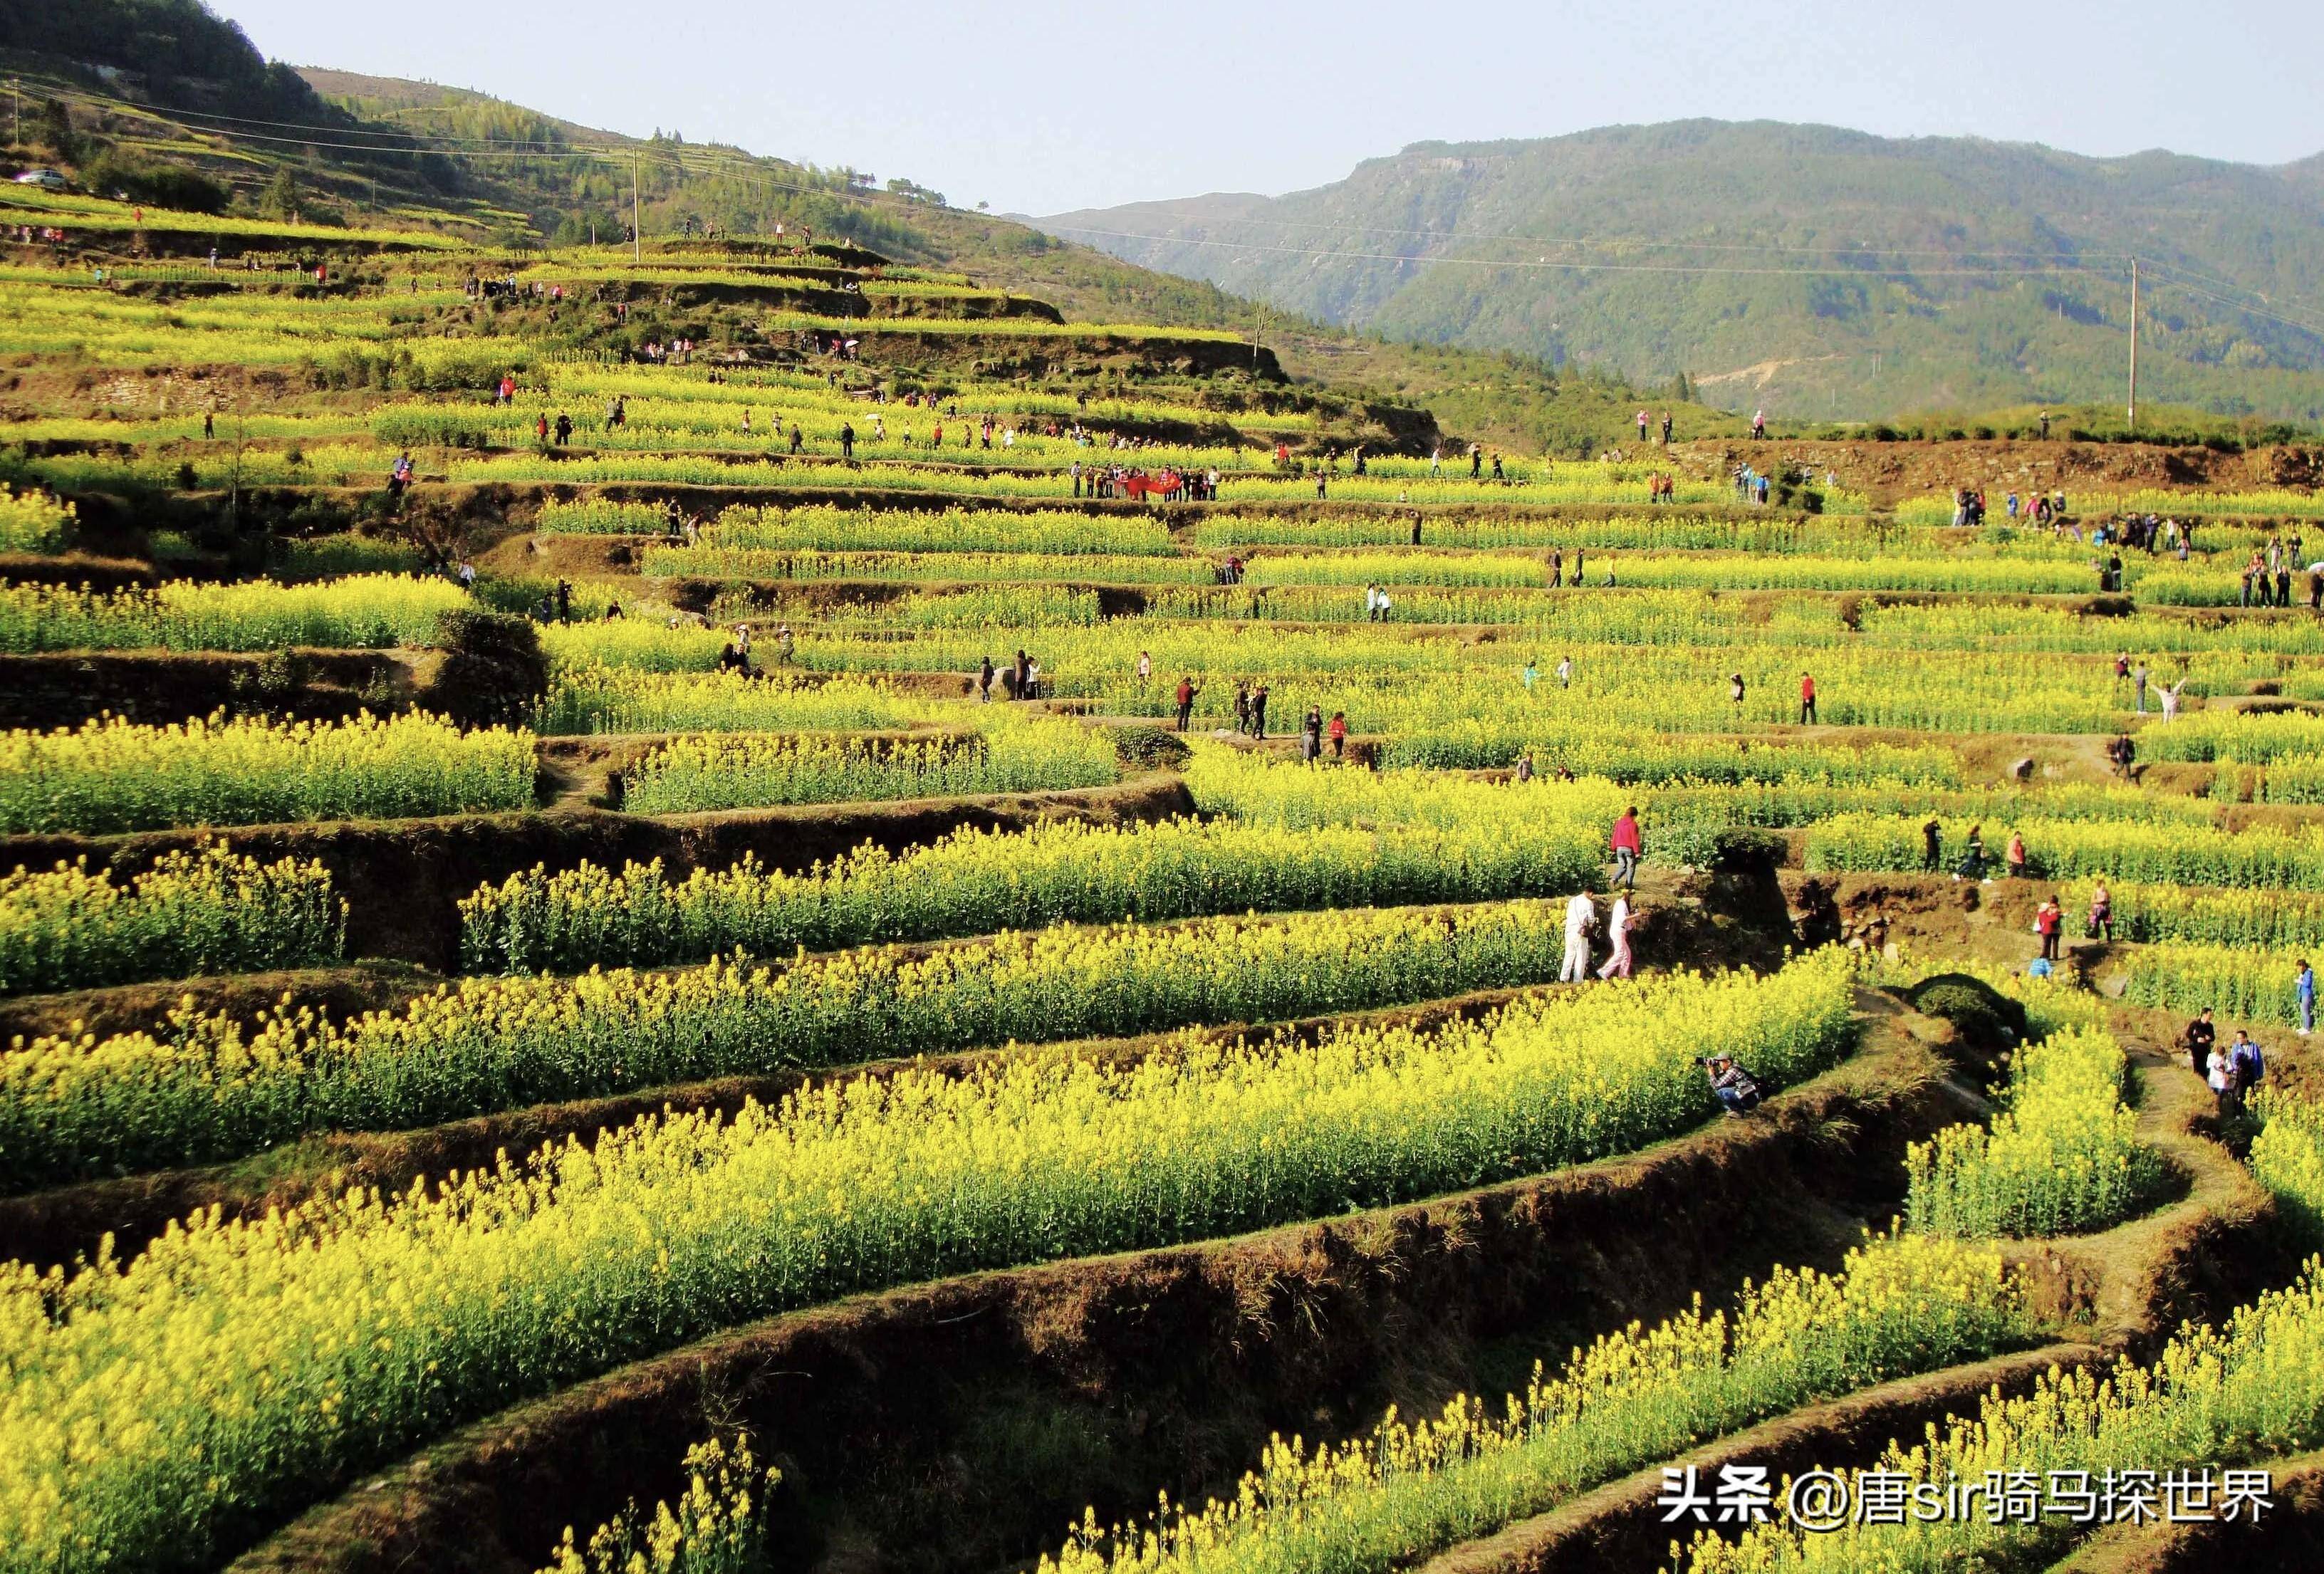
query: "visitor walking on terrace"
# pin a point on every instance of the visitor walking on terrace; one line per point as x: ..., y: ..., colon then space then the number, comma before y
x: 2247, y: 1064
x: 2303, y: 995
x: 2049, y: 920
x: 1972, y: 863
x: 1618, y: 937
x: 2220, y: 1075
x: 1339, y: 732
x: 1931, y: 843
x: 1807, y: 698
x: 2199, y: 1037
x: 2014, y: 855
x: 1258, y: 714
x: 1580, y: 913
x: 1311, y: 735
x: 2100, y: 926
x: 1185, y: 698
x: 1628, y: 849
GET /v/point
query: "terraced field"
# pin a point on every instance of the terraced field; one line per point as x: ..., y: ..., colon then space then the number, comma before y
x: 946, y: 939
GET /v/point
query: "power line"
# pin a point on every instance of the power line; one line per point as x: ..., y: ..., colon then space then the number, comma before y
x: 2310, y: 327
x: 1580, y: 267
x: 2060, y: 269
x: 1633, y: 241
x: 2265, y: 311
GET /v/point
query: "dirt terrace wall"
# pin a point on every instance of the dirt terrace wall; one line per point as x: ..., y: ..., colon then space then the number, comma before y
x: 961, y: 1425
x: 158, y: 688
x: 403, y: 879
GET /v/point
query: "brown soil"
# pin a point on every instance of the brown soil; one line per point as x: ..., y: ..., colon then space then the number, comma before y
x: 961, y: 1425
x: 337, y: 993
x: 403, y: 879
x: 75, y: 570
x: 161, y: 688
x: 2122, y: 1291
x: 1891, y: 470
x: 2287, y: 1539
x: 1619, y: 1526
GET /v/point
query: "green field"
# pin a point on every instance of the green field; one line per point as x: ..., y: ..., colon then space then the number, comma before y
x: 869, y: 863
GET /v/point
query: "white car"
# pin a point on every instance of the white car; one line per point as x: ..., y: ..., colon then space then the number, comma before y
x: 47, y: 180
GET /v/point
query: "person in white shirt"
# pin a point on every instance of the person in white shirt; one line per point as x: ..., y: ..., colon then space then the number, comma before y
x: 1580, y: 913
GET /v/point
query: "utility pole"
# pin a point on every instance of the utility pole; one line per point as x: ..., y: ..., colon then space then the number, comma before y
x: 16, y: 92
x: 637, y: 221
x: 2134, y: 344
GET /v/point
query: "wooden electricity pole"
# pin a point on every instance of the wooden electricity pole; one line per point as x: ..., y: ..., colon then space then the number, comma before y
x: 2134, y: 344
x: 637, y: 219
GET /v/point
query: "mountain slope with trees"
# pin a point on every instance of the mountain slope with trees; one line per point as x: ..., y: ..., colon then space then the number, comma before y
x: 1820, y: 273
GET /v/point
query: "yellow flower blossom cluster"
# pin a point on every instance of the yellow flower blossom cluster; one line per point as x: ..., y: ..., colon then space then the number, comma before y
x: 206, y: 1086
x: 363, y: 611
x: 204, y: 911
x: 234, y: 1371
x: 1899, y: 1304
x: 113, y: 775
x: 741, y: 770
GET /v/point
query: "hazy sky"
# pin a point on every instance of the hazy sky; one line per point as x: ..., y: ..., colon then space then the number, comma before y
x: 1038, y: 107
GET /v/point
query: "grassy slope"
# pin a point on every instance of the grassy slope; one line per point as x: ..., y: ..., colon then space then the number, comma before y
x: 158, y: 115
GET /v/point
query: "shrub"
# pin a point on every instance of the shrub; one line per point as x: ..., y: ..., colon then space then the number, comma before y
x: 1986, y: 1019
x: 494, y: 671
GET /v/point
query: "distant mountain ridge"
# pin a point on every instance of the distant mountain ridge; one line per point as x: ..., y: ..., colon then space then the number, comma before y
x: 1818, y: 271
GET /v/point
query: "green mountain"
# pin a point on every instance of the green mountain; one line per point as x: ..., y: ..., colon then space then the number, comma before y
x: 1816, y: 271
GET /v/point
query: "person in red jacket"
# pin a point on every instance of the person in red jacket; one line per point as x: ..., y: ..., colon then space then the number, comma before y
x: 1628, y: 849
x: 1338, y: 733
x: 1807, y: 699
x: 1186, y: 697
x: 2047, y: 921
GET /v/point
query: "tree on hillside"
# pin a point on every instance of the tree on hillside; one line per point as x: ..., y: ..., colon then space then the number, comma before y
x: 54, y: 130
x: 281, y: 198
x: 185, y: 53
